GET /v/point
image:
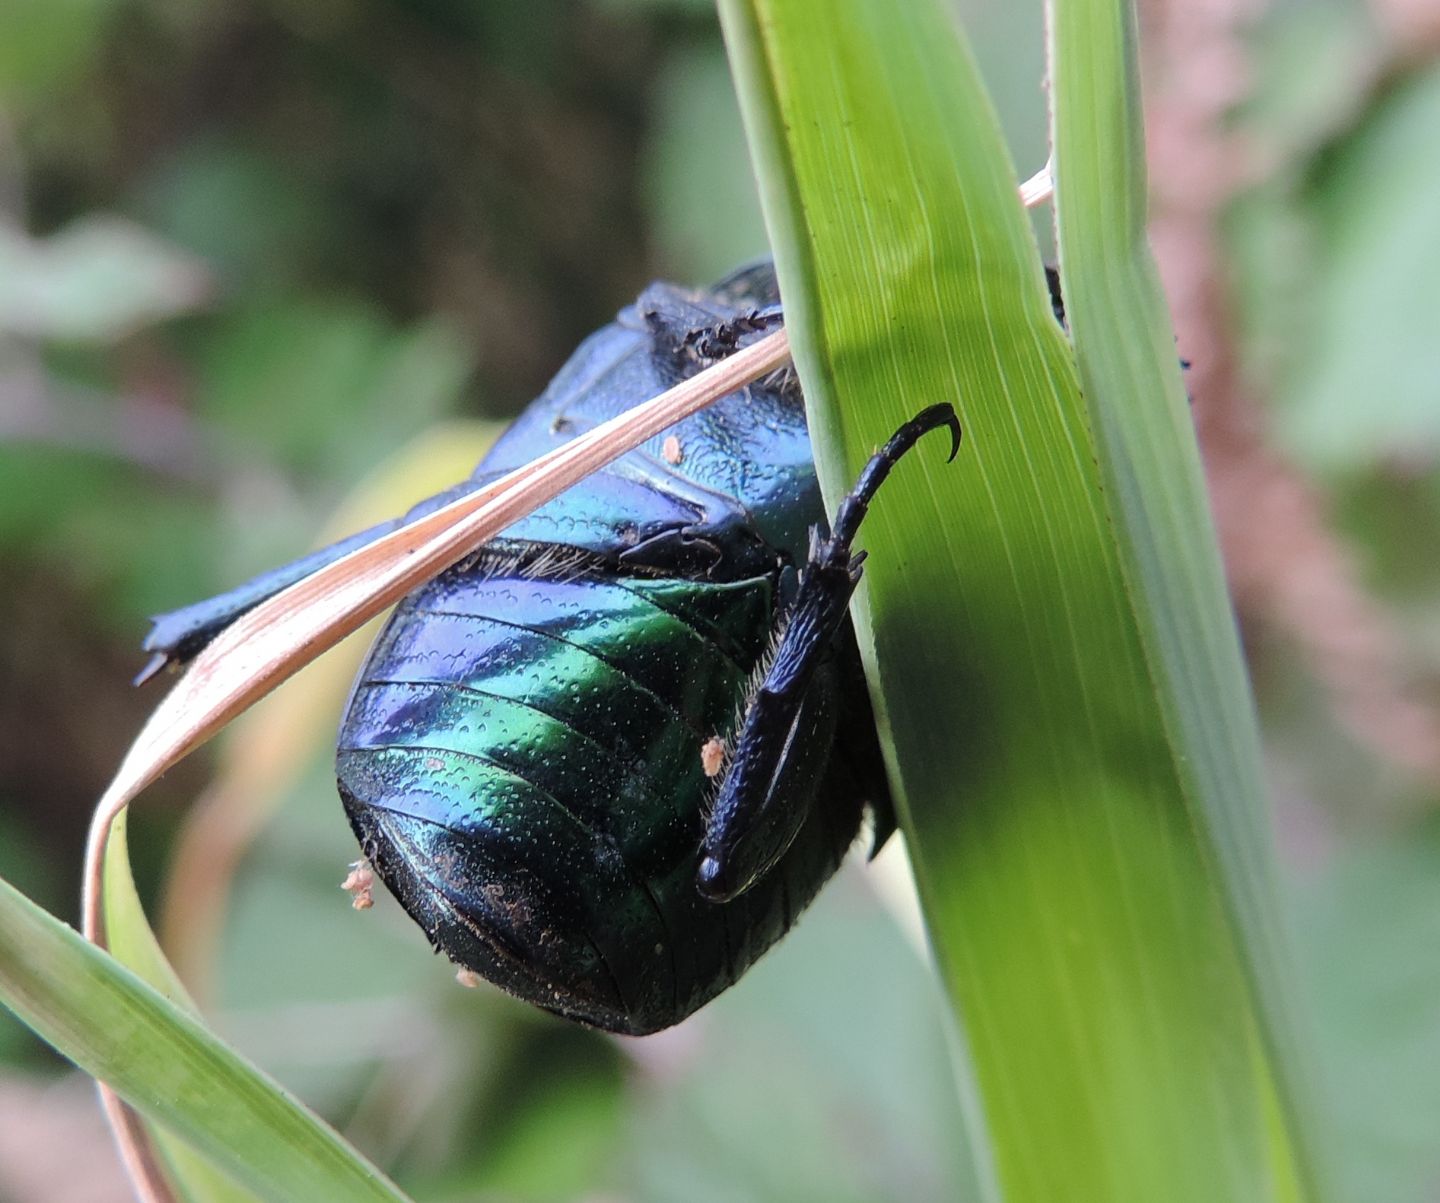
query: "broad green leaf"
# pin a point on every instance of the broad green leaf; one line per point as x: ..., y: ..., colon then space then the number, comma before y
x: 1150, y: 463
x: 1080, y: 925
x: 169, y: 1067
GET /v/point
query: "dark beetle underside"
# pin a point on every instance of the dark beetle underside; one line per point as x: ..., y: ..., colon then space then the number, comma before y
x: 521, y: 755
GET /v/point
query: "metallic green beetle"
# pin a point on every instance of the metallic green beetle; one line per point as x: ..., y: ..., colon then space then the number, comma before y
x: 529, y: 755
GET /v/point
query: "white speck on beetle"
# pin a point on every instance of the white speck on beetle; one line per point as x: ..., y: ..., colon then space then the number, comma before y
x: 712, y: 755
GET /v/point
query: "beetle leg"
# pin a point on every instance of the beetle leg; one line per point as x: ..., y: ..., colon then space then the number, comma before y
x: 857, y: 753
x: 180, y: 635
x: 770, y: 784
x: 719, y: 341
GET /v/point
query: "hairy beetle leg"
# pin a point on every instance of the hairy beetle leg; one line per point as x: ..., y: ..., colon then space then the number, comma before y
x: 767, y: 793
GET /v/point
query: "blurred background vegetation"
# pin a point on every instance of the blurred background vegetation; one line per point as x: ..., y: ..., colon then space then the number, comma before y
x: 249, y: 248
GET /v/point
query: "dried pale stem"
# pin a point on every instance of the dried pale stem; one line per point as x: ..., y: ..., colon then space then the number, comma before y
x: 1038, y: 189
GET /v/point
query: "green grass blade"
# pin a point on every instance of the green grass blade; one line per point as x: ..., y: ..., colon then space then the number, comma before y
x: 1131, y: 378
x: 127, y: 932
x: 168, y: 1066
x: 133, y: 944
x: 1079, y: 925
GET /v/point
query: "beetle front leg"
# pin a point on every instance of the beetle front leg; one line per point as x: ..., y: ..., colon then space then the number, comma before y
x: 789, y: 720
x: 179, y: 636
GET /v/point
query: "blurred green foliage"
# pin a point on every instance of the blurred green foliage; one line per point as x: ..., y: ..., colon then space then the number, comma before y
x: 249, y: 247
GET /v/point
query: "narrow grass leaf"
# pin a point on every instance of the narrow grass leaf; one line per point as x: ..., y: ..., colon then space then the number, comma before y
x: 167, y: 1066
x: 1131, y: 379
x: 178, y: 1169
